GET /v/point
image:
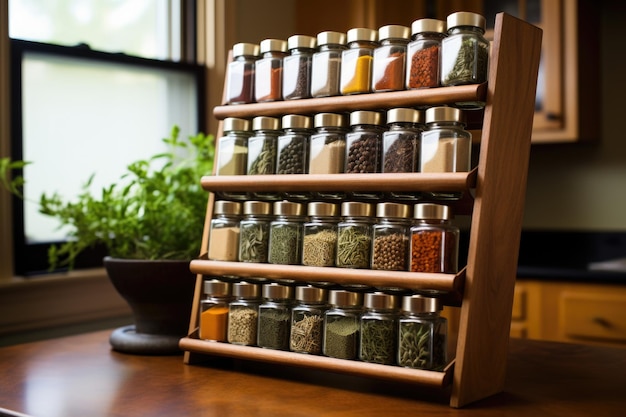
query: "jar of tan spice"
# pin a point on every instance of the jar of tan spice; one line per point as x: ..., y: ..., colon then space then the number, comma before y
x: 434, y: 243
x: 243, y: 314
x: 327, y: 149
x: 320, y: 234
x: 224, y: 231
x: 232, y: 152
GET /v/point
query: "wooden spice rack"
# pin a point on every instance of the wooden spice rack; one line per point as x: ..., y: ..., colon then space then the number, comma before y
x: 494, y: 196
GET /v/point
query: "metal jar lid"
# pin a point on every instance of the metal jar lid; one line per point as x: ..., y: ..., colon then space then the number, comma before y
x: 331, y: 38
x: 311, y: 295
x: 319, y: 208
x: 275, y: 45
x: 431, y: 211
x: 401, y: 115
x: 395, y: 210
x: 296, y: 121
x: 356, y: 209
x: 265, y: 123
x: 361, y: 34
x: 443, y: 114
x: 379, y: 301
x: 343, y: 298
x: 227, y: 207
x: 277, y: 291
x: 287, y: 208
x: 364, y: 117
x: 421, y: 304
x: 246, y: 290
x: 466, y: 19
x: 393, y: 32
x: 301, y: 41
x: 329, y: 120
x: 428, y: 25
x: 257, y: 207
x: 233, y: 123
x: 217, y: 288
x: 245, y: 49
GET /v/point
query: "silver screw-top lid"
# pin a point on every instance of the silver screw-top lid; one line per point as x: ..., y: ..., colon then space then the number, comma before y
x: 331, y: 38
x: 265, y: 123
x: 343, y: 298
x: 364, y: 117
x: 393, y: 32
x: 428, y: 25
x: 431, y: 211
x: 361, y: 34
x: 320, y: 208
x: 421, y: 304
x: 276, y: 291
x: 466, y: 19
x: 329, y: 120
x: 443, y: 114
x: 245, y: 49
x: 275, y: 45
x: 217, y: 288
x: 311, y: 295
x: 287, y: 208
x: 246, y: 290
x: 380, y: 301
x: 400, y: 115
x: 356, y: 209
x: 257, y: 207
x: 395, y: 210
x: 227, y: 207
x: 301, y: 41
x: 296, y: 121
x: 233, y: 123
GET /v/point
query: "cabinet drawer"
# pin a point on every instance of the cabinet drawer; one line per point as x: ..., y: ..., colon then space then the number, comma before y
x: 597, y: 316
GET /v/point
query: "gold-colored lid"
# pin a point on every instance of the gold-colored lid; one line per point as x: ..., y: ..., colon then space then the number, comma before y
x: 320, y: 208
x: 277, y: 45
x: 361, y: 34
x: 428, y: 25
x: 356, y: 208
x: 309, y: 294
x: 343, y: 298
x: 329, y: 120
x: 296, y: 121
x: 364, y: 117
x: 234, y: 123
x: 257, y: 207
x: 245, y: 49
x: 421, y: 304
x: 431, y: 211
x: 265, y: 123
x: 443, y: 114
x: 393, y: 32
x: 246, y: 290
x: 217, y: 288
x: 277, y: 291
x: 287, y: 208
x: 466, y: 19
x: 380, y: 301
x: 301, y: 41
x: 405, y: 115
x: 395, y: 210
x: 227, y: 207
x: 329, y: 37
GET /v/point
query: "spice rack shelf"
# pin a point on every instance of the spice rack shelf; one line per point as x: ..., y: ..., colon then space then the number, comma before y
x: 493, y: 194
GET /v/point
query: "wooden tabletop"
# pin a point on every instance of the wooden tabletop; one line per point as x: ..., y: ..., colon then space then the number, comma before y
x: 81, y: 376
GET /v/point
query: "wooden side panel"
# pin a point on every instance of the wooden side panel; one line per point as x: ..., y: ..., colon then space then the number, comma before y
x: 496, y: 224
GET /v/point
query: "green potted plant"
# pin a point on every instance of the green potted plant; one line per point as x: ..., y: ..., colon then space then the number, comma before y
x: 150, y: 223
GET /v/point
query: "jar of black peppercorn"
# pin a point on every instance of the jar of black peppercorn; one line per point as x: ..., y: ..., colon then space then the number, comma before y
x: 390, y: 237
x: 232, y: 152
x: 254, y: 231
x: 268, y: 70
x: 263, y: 150
x: 293, y: 147
x: 356, y: 61
x: 326, y: 64
x: 243, y: 314
x: 354, y: 235
x: 327, y: 149
x: 364, y: 147
x: 297, y: 67
x: 379, y: 329
x: 319, y: 245
x: 307, y: 320
x: 434, y: 240
x: 275, y: 316
x: 240, y: 74
x: 424, y: 53
x: 342, y: 324
x: 286, y: 233
x: 388, y: 66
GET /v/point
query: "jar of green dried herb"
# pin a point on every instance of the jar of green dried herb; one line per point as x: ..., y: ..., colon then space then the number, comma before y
x: 243, y: 314
x: 379, y: 333
x: 286, y: 233
x: 390, y: 235
x: 297, y: 67
x: 434, y: 240
x: 307, y: 320
x: 240, y: 74
x: 275, y: 316
x: 224, y: 231
x: 465, y: 51
x: 263, y: 150
x: 293, y: 146
x: 342, y: 324
x: 319, y: 244
x: 424, y: 53
x: 214, y: 310
x: 326, y: 64
x: 268, y: 70
x: 327, y: 149
x: 254, y: 231
x: 422, y: 334
x: 356, y: 61
x: 232, y: 152
x: 389, y: 62
x: 354, y: 235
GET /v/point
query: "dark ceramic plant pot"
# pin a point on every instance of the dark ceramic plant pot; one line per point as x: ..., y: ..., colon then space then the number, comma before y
x: 160, y: 295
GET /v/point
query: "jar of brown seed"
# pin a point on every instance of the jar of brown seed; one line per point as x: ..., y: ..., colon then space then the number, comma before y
x: 390, y: 240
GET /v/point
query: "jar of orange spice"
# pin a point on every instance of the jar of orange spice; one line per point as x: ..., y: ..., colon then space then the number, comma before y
x: 434, y: 240
x: 214, y: 310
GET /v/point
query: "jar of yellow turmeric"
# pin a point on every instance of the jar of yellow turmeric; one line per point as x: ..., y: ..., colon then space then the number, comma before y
x: 356, y: 61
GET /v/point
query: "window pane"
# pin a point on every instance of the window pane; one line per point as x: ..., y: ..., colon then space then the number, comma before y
x: 134, y: 27
x: 82, y: 117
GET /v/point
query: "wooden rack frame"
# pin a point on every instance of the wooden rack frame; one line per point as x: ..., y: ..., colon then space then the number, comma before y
x: 484, y: 288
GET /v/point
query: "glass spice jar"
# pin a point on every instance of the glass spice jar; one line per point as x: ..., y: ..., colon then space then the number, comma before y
x: 307, y: 320
x: 326, y: 64
x: 240, y: 74
x: 254, y: 231
x: 342, y: 324
x: 268, y: 70
x: 262, y: 151
x: 354, y: 235
x: 232, y: 152
x: 224, y: 231
x: 388, y: 65
x: 379, y: 329
x: 424, y: 53
x: 243, y: 314
x: 356, y: 61
x: 275, y: 316
x: 434, y: 240
x: 390, y: 236
x: 465, y: 51
x: 293, y: 144
x: 320, y: 235
x: 422, y: 334
x: 297, y: 67
x: 364, y: 148
x: 446, y: 145
x: 286, y: 233
x: 214, y: 310
x: 327, y: 149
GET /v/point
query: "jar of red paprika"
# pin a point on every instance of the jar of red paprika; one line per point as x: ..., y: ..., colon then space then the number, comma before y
x: 434, y: 240
x: 424, y: 53
x: 240, y: 74
x: 268, y: 70
x: 388, y: 66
